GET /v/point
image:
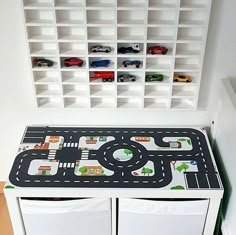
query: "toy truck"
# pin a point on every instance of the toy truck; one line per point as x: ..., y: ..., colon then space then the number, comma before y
x: 106, y: 76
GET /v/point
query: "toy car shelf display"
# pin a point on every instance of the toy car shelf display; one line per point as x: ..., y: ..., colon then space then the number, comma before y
x: 116, y: 54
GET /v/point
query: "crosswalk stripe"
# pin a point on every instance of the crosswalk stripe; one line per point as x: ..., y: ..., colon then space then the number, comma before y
x: 64, y: 165
x: 60, y: 165
x: 72, y: 165
x: 76, y: 144
x: 68, y: 164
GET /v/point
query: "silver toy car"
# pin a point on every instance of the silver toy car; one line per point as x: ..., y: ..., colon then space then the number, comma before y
x: 126, y: 78
x: 100, y: 48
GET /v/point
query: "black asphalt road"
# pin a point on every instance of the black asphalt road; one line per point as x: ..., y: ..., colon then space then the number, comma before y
x: 205, y: 178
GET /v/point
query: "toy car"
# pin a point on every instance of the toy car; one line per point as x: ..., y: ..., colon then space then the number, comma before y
x: 43, y: 62
x: 175, y: 144
x: 182, y: 78
x: 154, y: 78
x: 104, y: 75
x: 135, y: 48
x: 157, y: 50
x: 100, y: 48
x: 73, y: 61
x: 126, y: 78
x: 131, y: 63
x: 100, y: 63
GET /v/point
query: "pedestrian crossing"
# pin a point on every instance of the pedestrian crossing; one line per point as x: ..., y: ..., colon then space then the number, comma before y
x: 84, y: 154
x: 52, y: 154
x: 70, y: 145
x: 66, y: 165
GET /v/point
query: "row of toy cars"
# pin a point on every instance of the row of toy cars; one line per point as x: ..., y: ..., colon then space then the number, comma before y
x: 74, y: 61
x: 109, y: 76
x: 133, y: 48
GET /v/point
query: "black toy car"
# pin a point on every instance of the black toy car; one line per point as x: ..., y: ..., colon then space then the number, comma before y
x: 135, y: 48
x: 126, y: 78
x: 132, y: 63
x: 100, y: 48
x: 43, y: 62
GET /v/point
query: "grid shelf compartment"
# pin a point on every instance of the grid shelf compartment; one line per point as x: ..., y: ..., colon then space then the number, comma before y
x: 169, y: 46
x: 111, y: 66
x: 72, y: 17
x: 52, y: 102
x: 190, y: 34
x: 72, y: 49
x: 61, y: 29
x: 161, y: 33
x: 136, y: 17
x: 162, y: 4
x: 103, y: 103
x: 194, y: 4
x: 130, y: 58
x: 192, y: 18
x: 74, y: 77
x: 104, y: 90
x: 187, y: 49
x: 182, y: 103
x: 76, y: 102
x: 129, y: 103
x: 44, y: 68
x: 37, y: 3
x: 167, y: 78
x: 68, y: 4
x: 101, y: 34
x: 101, y: 4
x: 43, y: 49
x: 137, y: 74
x: 132, y: 34
x: 159, y: 64
x: 41, y: 33
x: 69, y: 34
x: 129, y: 90
x: 100, y: 17
x: 140, y: 53
x: 75, y: 90
x: 158, y: 17
x: 131, y: 3
x: 39, y: 17
x: 73, y: 67
x: 157, y: 103
x: 45, y: 77
x: 157, y: 90
x: 97, y: 54
x: 187, y: 64
x: 47, y: 90
x: 184, y: 91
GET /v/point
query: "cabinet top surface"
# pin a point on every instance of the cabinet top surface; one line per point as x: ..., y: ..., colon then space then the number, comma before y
x: 87, y: 157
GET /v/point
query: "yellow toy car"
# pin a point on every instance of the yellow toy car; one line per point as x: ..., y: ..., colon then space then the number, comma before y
x: 182, y: 78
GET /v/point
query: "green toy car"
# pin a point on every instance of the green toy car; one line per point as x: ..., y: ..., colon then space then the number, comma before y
x: 154, y: 78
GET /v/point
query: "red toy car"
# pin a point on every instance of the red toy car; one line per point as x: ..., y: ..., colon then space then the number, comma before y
x: 157, y: 50
x: 73, y: 61
x: 104, y: 75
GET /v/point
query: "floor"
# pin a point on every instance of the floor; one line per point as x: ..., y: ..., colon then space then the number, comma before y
x: 5, y: 223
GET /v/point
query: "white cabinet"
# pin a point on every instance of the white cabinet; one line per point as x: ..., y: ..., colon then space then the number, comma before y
x: 57, y: 30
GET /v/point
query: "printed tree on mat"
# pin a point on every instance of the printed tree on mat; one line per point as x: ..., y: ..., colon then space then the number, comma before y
x: 147, y: 171
x: 82, y: 169
x: 182, y: 167
x: 127, y: 151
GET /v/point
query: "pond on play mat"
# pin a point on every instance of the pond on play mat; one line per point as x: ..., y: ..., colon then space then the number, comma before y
x: 123, y: 155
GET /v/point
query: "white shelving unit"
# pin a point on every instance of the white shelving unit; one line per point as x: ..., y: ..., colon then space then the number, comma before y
x: 60, y: 29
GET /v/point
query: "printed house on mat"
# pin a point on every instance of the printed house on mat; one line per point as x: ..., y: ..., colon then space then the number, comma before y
x: 44, y: 170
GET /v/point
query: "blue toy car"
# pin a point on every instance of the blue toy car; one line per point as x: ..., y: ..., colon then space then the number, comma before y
x: 100, y: 63
x: 131, y: 63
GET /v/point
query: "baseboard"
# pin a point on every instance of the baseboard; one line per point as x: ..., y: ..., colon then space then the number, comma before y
x: 225, y: 228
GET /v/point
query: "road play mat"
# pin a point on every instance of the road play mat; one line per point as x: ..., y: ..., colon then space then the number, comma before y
x: 165, y: 158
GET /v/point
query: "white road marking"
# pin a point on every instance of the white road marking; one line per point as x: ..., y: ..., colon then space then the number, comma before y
x: 180, y: 155
x: 57, y: 181
x: 169, y: 155
x: 68, y: 164
x: 17, y: 172
x: 96, y: 181
x: 72, y: 145
x: 162, y: 162
x: 161, y: 180
x: 67, y: 181
x: 68, y: 144
x: 204, y: 159
x: 64, y: 145
x: 34, y: 154
x: 64, y: 165
x: 129, y: 165
x: 76, y: 181
x: 27, y: 181
x: 111, y: 164
x: 153, y: 181
x: 117, y: 131
x: 17, y: 179
x: 145, y: 182
x: 76, y: 144
x: 126, y: 181
x: 107, y: 181
x: 137, y: 162
x: 136, y: 182
x: 72, y: 165
x: 108, y: 147
x: 64, y: 173
x: 75, y: 131
x: 201, y: 148
x: 151, y: 155
x: 162, y: 168
x: 37, y: 181
x: 160, y: 155
x: 19, y: 166
x: 198, y: 138
x: 122, y: 173
x: 21, y: 160
x: 163, y: 174
x: 47, y: 181
x: 176, y: 132
x: 197, y: 154
x: 151, y: 132
x: 58, y: 131
x: 188, y: 155
x: 118, y: 166
x: 25, y: 155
